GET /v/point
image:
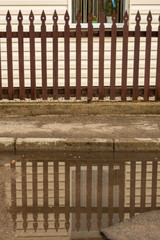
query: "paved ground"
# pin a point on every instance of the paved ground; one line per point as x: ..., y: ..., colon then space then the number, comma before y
x: 89, y: 126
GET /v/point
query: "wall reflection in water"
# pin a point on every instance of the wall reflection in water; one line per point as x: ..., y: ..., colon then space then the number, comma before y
x: 73, y: 197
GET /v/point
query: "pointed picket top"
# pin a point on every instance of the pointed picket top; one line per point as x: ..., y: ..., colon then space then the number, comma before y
x: 126, y: 17
x: 66, y: 16
x: 90, y: 17
x: 78, y: 17
x: 138, y: 17
x: 114, y: 17
x: 20, y: 17
x: 55, y: 16
x: 8, y: 16
x: 31, y: 16
x: 149, y: 17
x: 43, y: 16
x: 102, y: 17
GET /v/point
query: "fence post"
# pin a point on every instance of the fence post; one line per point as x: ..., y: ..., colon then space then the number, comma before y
x: 113, y: 56
x: 90, y: 57
x: 157, y: 93
x: 148, y: 55
x: 55, y: 56
x: 125, y: 57
x: 136, y: 57
x: 32, y: 57
x: 21, y: 56
x: 67, y: 57
x: 44, y: 63
x: 0, y: 75
x: 78, y: 57
x: 101, y: 57
x: 9, y: 56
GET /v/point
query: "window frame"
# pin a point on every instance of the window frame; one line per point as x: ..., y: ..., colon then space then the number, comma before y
x: 96, y: 25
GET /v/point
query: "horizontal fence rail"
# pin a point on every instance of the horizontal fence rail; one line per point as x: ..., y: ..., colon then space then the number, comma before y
x: 102, y: 90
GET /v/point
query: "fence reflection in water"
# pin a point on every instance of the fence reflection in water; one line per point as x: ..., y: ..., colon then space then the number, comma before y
x: 81, y: 195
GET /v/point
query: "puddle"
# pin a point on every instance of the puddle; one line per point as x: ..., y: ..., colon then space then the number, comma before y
x: 72, y: 195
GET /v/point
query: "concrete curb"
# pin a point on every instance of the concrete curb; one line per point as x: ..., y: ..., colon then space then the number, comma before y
x: 77, y: 108
x: 83, y: 144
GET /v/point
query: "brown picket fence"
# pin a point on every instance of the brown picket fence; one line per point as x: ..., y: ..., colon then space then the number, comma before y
x: 101, y: 91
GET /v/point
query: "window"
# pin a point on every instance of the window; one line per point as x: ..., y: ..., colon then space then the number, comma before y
x: 108, y: 6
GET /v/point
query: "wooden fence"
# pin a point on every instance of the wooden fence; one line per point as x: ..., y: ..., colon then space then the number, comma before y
x: 98, y: 189
x: 101, y: 91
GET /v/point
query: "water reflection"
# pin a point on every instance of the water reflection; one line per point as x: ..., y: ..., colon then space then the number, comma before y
x: 71, y: 196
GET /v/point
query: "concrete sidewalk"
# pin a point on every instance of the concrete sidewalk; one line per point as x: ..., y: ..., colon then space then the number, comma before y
x: 92, y: 132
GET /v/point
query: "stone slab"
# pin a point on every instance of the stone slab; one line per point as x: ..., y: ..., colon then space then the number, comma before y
x: 70, y: 144
x: 7, y: 144
x: 136, y: 144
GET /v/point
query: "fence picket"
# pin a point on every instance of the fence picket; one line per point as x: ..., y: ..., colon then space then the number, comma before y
x: 101, y: 57
x: 44, y: 59
x: 154, y: 184
x: 78, y: 178
x: 143, y: 186
x: 148, y: 56
x: 67, y: 56
x: 67, y: 195
x: 136, y: 57
x: 121, y: 191
x: 78, y: 57
x: 35, y: 194
x: 9, y: 56
x: 24, y: 195
x: 132, y: 188
x: 99, y: 195
x: 0, y: 75
x: 13, y: 196
x: 32, y: 57
x: 45, y: 194
x: 113, y: 56
x: 90, y: 57
x: 125, y: 56
x: 157, y: 93
x: 89, y: 194
x: 21, y: 56
x: 55, y: 56
x: 56, y: 194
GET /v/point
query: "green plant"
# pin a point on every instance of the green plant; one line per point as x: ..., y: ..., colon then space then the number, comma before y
x: 109, y: 9
x: 94, y: 19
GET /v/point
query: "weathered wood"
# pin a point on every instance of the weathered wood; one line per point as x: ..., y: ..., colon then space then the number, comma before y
x: 157, y: 93
x: 90, y: 57
x: 110, y: 194
x: 78, y: 57
x: 55, y: 56
x: 113, y: 56
x: 67, y: 56
x: 21, y: 56
x: 9, y: 55
x: 121, y: 191
x: 136, y: 57
x: 125, y: 57
x: 32, y: 57
x: 101, y: 57
x: 13, y: 196
x: 148, y: 57
x: 44, y: 58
